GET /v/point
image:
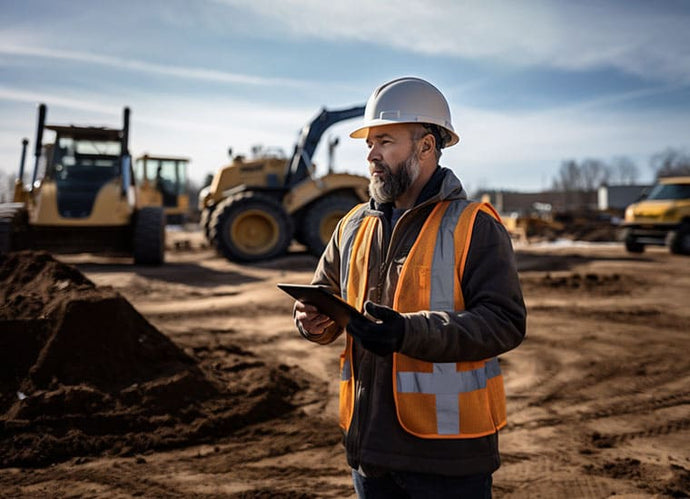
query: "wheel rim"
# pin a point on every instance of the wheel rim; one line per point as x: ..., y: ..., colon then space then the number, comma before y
x: 254, y: 232
x: 328, y: 224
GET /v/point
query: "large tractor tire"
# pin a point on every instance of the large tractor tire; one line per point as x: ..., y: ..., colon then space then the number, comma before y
x: 632, y: 246
x: 680, y: 242
x: 321, y: 218
x: 250, y: 227
x: 13, y: 226
x: 149, y: 236
x: 205, y: 222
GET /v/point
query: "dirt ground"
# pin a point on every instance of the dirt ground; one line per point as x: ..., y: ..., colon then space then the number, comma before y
x: 203, y: 388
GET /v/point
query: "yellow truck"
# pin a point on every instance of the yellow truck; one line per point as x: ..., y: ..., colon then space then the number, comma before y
x: 661, y: 218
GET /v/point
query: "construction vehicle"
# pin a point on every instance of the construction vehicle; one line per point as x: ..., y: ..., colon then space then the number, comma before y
x: 164, y: 180
x: 253, y: 209
x: 660, y: 218
x: 82, y: 197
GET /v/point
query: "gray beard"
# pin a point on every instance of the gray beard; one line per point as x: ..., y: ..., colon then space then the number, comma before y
x: 388, y: 188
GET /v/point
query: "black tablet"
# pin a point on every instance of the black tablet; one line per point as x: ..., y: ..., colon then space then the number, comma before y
x: 328, y: 304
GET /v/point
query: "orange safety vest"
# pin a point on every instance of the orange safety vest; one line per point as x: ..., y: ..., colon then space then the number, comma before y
x: 432, y: 399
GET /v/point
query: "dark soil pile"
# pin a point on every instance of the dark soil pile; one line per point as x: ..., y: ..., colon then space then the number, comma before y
x: 84, y: 373
x: 589, y: 227
x: 590, y: 283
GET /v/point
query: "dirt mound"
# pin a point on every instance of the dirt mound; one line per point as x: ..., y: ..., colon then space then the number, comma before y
x: 589, y: 283
x: 84, y: 372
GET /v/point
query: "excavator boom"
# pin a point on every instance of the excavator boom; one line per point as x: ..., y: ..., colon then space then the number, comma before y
x: 298, y: 165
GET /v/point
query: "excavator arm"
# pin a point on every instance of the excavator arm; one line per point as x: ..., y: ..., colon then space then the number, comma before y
x: 299, y: 163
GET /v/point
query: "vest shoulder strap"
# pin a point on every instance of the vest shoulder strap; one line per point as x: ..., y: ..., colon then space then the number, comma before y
x: 348, y: 217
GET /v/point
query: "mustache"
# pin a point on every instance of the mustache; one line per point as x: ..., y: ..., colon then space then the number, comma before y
x: 379, y: 165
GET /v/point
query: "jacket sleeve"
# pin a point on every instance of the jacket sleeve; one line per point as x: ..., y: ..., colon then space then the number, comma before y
x: 327, y: 274
x: 494, y: 318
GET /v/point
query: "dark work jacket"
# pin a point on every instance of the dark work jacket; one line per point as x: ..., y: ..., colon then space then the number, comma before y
x: 492, y: 323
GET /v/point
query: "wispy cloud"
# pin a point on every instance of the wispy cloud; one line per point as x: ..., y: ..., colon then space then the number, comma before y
x: 27, y: 96
x: 650, y: 40
x: 148, y: 67
x: 151, y: 110
x: 598, y: 103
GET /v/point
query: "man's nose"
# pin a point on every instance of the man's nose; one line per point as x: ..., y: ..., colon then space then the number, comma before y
x: 374, y: 154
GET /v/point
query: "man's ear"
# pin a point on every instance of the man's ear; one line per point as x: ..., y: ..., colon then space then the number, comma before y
x: 427, y: 146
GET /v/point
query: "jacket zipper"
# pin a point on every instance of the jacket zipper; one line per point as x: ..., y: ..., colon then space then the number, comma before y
x: 361, y: 402
x: 366, y: 368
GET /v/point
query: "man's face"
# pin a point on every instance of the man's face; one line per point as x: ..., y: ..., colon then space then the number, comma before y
x: 393, y: 162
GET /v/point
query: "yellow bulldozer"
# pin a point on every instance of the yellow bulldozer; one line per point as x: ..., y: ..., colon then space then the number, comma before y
x: 164, y: 180
x: 254, y: 209
x: 82, y: 197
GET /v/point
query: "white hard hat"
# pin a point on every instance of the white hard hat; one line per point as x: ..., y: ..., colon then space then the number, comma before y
x: 408, y: 100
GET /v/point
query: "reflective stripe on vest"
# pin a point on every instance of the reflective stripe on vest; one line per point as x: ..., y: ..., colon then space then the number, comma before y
x: 446, y: 383
x: 433, y: 400
x: 354, y: 240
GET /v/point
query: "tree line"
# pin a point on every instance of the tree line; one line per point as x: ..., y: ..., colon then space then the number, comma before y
x: 589, y: 174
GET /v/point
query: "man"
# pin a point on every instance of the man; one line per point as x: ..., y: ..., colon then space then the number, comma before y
x: 421, y: 392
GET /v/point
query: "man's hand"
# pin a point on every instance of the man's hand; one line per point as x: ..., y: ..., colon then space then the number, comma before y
x: 310, y: 319
x: 383, y: 337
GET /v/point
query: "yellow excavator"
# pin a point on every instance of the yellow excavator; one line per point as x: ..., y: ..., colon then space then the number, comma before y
x: 82, y: 197
x: 253, y: 209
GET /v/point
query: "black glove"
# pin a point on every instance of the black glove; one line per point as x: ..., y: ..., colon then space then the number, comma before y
x: 382, y: 338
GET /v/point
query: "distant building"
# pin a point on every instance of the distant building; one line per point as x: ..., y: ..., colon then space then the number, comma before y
x: 529, y: 203
x: 618, y: 197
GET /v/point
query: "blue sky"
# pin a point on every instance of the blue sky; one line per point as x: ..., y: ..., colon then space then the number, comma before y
x: 529, y: 83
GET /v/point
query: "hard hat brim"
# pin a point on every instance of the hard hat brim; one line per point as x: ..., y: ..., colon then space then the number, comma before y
x: 362, y: 132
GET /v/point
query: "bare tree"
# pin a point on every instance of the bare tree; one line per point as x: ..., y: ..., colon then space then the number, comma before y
x: 594, y: 173
x: 671, y: 162
x: 587, y: 176
x: 569, y: 182
x: 624, y: 171
x: 569, y: 177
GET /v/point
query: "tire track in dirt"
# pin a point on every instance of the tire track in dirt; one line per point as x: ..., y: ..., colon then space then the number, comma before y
x: 614, y: 439
x: 617, y: 410
x: 559, y: 485
x: 616, y: 384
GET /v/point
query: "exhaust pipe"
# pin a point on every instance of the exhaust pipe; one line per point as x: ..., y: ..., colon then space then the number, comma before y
x: 39, y: 140
x: 19, y: 195
x: 125, y: 131
x: 126, y: 162
x: 22, y: 161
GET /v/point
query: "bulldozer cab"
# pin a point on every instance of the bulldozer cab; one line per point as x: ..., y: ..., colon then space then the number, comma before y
x: 82, y: 197
x: 164, y: 178
x: 83, y: 177
x: 80, y: 162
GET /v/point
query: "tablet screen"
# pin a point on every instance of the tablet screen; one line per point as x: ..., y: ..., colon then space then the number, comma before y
x: 328, y: 304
